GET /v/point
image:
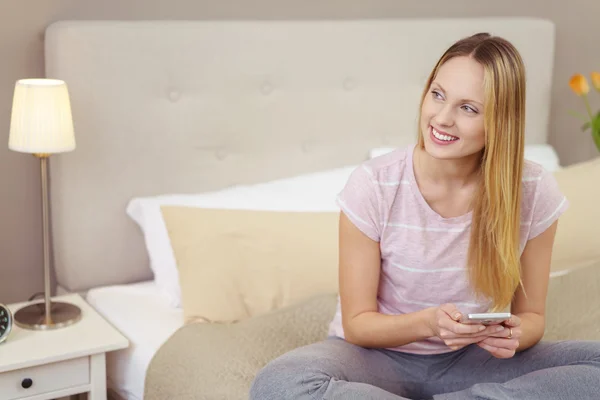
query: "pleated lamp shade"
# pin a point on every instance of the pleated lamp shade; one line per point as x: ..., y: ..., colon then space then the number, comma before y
x: 41, y: 120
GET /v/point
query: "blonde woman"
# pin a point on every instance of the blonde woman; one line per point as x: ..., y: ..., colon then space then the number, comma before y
x: 459, y: 223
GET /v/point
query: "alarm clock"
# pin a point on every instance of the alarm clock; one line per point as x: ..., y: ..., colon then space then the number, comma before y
x: 6, y: 322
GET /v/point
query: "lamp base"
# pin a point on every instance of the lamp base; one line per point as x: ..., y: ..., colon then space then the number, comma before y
x: 33, y: 316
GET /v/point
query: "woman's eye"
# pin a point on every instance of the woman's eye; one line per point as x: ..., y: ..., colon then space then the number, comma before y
x: 436, y: 94
x: 470, y: 109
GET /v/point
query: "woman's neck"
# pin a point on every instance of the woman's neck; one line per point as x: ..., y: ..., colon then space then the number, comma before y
x: 458, y: 172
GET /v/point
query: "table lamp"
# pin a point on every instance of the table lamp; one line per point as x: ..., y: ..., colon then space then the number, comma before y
x: 41, y: 124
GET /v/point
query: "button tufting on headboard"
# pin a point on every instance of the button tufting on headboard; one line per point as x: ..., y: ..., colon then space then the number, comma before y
x: 174, y: 95
x: 221, y: 154
x: 307, y: 147
x: 349, y: 84
x: 387, y: 138
x: 266, y: 88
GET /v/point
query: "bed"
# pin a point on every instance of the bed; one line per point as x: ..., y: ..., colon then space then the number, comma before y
x: 166, y: 111
x: 134, y: 309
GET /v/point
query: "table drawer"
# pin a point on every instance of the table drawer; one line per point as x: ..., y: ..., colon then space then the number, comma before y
x: 46, y: 378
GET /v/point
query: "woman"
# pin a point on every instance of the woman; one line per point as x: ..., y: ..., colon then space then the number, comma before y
x: 457, y: 224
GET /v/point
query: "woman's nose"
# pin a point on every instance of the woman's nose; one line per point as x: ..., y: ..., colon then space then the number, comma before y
x: 445, y: 116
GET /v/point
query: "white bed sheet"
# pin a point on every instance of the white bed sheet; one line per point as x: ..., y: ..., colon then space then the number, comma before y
x: 141, y: 313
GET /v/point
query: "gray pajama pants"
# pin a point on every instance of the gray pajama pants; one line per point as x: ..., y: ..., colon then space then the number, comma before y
x: 335, y: 369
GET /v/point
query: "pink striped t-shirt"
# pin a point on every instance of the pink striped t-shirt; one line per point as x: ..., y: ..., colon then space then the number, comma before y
x: 423, y: 255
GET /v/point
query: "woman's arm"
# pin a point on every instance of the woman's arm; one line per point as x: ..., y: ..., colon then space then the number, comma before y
x: 360, y: 264
x: 530, y: 306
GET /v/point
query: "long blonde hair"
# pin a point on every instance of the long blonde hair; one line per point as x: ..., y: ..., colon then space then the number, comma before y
x: 494, y: 254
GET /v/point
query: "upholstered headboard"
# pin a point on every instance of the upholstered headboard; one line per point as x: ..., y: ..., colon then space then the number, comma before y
x: 192, y: 106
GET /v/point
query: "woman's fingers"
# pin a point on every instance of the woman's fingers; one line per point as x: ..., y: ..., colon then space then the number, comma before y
x: 496, y: 338
x: 507, y: 332
x: 500, y: 348
x: 504, y: 343
x: 492, y: 330
x: 496, y: 331
x: 447, y: 321
x: 451, y: 311
x: 465, y: 329
x: 513, y: 321
x: 464, y: 341
x: 496, y: 351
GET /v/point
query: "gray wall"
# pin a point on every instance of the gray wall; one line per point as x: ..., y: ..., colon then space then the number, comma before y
x: 22, y: 24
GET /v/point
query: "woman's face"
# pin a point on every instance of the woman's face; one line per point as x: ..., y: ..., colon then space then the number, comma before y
x: 452, y: 122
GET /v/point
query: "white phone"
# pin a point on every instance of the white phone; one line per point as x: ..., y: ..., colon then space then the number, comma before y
x: 486, y: 318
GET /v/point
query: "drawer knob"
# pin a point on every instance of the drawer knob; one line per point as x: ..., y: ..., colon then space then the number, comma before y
x: 26, y: 383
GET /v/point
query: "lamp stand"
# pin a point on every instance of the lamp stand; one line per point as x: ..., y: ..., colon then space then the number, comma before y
x: 48, y: 314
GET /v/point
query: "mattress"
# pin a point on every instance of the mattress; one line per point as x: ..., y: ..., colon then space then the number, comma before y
x: 141, y: 313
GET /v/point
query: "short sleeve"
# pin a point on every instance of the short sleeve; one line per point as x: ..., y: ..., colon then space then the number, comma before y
x: 359, y: 200
x: 549, y: 204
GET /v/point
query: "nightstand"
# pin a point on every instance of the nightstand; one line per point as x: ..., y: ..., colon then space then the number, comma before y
x: 43, y: 365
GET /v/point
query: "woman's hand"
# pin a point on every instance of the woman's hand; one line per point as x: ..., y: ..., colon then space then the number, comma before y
x: 456, y: 335
x: 504, y: 344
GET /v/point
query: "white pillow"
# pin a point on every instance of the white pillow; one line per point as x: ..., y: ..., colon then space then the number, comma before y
x: 310, y: 192
x: 543, y: 154
x: 379, y: 151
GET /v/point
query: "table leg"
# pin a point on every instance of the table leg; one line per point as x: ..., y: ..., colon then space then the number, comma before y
x: 98, y: 377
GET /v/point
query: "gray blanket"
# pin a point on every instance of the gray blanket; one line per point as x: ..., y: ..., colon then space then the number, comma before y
x: 219, y: 361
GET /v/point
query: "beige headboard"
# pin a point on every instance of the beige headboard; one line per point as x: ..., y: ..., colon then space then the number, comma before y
x: 191, y: 106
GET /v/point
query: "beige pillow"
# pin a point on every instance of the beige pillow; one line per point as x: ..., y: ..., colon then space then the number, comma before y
x: 235, y: 264
x: 577, y: 241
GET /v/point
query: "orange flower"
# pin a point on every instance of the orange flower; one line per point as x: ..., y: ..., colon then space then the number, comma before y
x: 579, y: 84
x: 596, y: 80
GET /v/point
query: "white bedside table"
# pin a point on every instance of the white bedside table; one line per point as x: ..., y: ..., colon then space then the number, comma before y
x: 43, y: 365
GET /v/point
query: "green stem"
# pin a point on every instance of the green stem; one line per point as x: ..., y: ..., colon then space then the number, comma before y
x: 596, y: 137
x: 578, y: 115
x: 587, y: 106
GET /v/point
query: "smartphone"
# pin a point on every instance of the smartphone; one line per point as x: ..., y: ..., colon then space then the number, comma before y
x: 486, y: 318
